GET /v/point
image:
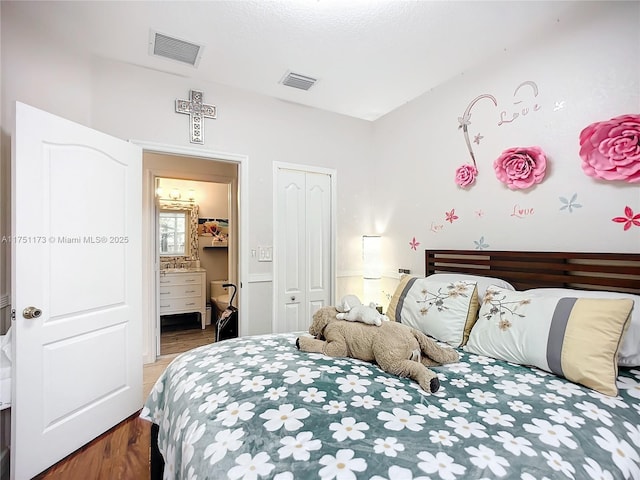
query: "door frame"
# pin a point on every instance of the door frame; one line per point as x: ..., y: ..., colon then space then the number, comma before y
x: 333, y: 174
x: 150, y: 265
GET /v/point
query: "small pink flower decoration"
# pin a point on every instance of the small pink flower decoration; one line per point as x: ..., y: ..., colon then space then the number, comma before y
x: 521, y: 167
x: 611, y: 150
x: 466, y: 175
x: 629, y: 219
x: 451, y: 216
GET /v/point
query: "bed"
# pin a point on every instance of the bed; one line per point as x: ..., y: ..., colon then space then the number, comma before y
x: 258, y: 408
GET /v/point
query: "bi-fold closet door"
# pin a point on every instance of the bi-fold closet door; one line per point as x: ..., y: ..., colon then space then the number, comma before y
x: 303, y: 247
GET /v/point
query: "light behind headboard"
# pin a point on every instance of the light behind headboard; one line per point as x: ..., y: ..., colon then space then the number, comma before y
x: 618, y: 272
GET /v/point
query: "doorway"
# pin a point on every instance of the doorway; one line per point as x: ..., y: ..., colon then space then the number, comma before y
x: 198, y: 167
x: 192, y: 241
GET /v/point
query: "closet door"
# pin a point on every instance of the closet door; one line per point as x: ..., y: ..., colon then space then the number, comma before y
x: 303, y: 248
x: 317, y: 245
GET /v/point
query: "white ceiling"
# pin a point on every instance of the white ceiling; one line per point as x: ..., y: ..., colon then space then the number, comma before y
x: 369, y: 56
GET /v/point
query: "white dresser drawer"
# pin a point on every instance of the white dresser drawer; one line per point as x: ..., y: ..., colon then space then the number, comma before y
x: 179, y: 304
x: 180, y: 279
x: 181, y: 291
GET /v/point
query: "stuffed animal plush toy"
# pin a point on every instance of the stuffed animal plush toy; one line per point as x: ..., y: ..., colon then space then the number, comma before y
x: 347, y: 303
x: 352, y: 309
x: 398, y: 349
x: 365, y: 314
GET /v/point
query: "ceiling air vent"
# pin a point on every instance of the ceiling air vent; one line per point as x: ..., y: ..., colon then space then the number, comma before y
x: 296, y: 80
x: 170, y: 47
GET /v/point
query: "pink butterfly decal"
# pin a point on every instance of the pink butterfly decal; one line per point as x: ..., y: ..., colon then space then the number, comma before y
x: 414, y: 244
x: 451, y: 216
x: 629, y: 219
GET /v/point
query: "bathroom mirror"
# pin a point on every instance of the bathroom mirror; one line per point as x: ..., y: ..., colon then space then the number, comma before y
x: 178, y: 229
x: 174, y: 230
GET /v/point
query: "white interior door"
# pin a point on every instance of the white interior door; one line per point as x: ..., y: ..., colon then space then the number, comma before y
x: 303, y: 250
x: 318, y: 244
x: 76, y: 257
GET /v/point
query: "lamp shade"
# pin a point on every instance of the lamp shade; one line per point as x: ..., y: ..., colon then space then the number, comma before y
x: 371, y: 267
x: 371, y: 257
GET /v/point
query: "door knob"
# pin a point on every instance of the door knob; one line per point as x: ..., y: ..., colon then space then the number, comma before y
x: 31, y: 312
x: 293, y: 298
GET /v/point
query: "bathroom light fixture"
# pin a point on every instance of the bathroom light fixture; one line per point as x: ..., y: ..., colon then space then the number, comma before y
x: 371, y: 268
x: 173, y: 195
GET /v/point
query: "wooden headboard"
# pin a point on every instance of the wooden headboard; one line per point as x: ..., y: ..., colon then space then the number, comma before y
x: 618, y: 272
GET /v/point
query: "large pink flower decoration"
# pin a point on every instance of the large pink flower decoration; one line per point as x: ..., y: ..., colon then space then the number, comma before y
x: 466, y: 175
x: 611, y: 150
x: 521, y: 167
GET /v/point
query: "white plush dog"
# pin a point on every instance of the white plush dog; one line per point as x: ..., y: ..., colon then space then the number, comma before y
x: 347, y: 303
x: 352, y: 309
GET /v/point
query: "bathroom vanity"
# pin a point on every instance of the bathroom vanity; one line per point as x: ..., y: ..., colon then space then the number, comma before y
x: 183, y: 291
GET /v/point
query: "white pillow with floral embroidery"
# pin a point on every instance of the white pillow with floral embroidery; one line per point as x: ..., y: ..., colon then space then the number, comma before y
x: 576, y: 338
x: 444, y: 310
x: 482, y: 282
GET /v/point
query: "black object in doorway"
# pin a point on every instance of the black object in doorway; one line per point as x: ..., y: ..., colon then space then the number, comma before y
x: 227, y: 326
x: 180, y: 321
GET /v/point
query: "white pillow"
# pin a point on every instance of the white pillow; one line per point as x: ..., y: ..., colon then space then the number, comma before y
x: 629, y: 353
x: 444, y: 310
x: 481, y: 282
x: 576, y: 338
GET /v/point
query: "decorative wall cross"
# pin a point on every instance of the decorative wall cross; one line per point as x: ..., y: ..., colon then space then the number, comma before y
x: 197, y: 112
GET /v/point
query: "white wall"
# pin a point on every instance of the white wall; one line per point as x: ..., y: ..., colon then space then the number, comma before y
x: 135, y: 103
x: 588, y: 66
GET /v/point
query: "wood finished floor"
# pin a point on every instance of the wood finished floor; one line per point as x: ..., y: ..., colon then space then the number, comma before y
x: 179, y: 336
x: 123, y: 453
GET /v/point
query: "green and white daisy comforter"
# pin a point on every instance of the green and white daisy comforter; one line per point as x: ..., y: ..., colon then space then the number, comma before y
x: 257, y: 408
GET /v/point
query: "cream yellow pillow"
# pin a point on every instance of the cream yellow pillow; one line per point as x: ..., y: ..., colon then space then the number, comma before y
x: 629, y: 353
x: 444, y: 310
x: 576, y: 338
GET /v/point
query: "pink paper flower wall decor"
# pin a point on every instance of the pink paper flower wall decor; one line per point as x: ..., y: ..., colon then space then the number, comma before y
x: 629, y: 218
x: 521, y: 167
x: 466, y: 175
x: 610, y: 150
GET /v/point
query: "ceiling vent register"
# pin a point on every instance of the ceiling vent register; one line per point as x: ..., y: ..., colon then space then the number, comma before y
x: 295, y: 80
x: 175, y: 49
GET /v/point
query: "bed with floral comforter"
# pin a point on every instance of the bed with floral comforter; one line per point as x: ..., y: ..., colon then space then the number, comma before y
x: 257, y: 408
